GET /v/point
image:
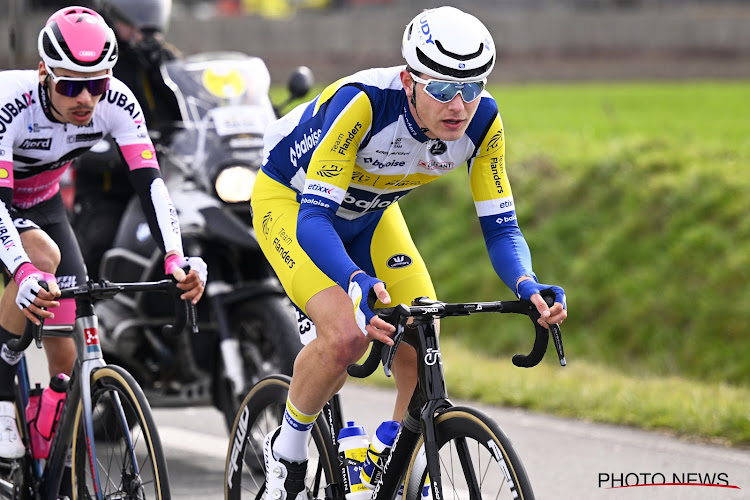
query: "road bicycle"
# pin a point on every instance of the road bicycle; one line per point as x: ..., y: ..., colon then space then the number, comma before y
x: 120, y: 459
x: 458, y: 451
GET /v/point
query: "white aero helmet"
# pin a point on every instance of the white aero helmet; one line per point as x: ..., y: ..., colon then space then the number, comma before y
x: 77, y: 39
x: 448, y: 44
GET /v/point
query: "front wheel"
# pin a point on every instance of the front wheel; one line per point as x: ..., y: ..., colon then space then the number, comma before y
x: 129, y: 459
x: 477, y: 460
x: 260, y: 413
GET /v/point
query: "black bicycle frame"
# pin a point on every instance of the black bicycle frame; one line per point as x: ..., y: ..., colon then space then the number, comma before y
x: 430, y: 397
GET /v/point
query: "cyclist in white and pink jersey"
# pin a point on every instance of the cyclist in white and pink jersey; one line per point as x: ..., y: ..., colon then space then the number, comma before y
x: 48, y: 117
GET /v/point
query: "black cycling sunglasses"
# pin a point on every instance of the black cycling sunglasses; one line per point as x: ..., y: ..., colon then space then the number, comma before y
x: 70, y: 86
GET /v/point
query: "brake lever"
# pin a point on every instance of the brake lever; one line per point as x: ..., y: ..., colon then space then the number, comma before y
x: 192, y: 317
x: 557, y: 339
x: 388, y: 355
x: 554, y: 329
x: 38, y: 330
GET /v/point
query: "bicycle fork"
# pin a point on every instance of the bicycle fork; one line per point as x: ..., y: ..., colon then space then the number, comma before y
x: 432, y: 382
x: 430, y: 397
x: 91, y: 360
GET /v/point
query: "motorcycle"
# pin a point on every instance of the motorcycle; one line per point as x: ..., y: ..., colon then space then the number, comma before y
x: 247, y: 325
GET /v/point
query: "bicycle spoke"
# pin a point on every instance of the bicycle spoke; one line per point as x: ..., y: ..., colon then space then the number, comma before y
x: 261, y: 412
x: 129, y: 459
x: 476, y: 461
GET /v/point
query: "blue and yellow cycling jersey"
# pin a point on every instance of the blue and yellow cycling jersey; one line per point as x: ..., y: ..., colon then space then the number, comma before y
x: 356, y: 149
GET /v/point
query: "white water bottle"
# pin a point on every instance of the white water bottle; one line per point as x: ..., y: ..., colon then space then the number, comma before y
x: 381, y: 443
x: 353, y: 444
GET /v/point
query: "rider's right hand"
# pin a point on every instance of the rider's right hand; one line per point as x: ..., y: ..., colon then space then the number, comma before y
x: 370, y: 324
x: 31, y: 297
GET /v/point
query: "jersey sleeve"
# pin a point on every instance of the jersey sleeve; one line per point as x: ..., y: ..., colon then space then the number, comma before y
x: 493, y: 199
x: 12, y: 253
x: 128, y: 129
x: 348, y: 120
x: 127, y: 126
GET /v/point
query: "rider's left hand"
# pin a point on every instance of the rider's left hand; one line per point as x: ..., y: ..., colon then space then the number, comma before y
x: 194, y: 282
x: 529, y: 289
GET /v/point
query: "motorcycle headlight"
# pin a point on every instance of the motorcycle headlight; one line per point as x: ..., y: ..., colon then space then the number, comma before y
x: 235, y: 183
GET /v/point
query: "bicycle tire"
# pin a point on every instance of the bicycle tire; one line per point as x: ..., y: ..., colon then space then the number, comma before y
x: 261, y: 412
x: 496, y: 468
x: 118, y: 476
x: 268, y: 342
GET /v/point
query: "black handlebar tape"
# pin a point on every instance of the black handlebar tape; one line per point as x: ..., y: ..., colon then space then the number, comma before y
x: 370, y: 364
x: 371, y: 299
x: 542, y: 336
x: 539, y: 349
x: 21, y: 343
x: 391, y: 315
x: 182, y: 312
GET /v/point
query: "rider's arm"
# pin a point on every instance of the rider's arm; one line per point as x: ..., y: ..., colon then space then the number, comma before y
x: 158, y: 208
x: 493, y: 199
x: 11, y: 251
x: 128, y: 128
x: 328, y: 175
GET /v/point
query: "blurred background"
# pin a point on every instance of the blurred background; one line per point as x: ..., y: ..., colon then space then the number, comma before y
x: 536, y: 39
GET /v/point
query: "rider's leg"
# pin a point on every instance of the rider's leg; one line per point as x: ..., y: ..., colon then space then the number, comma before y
x: 71, y: 272
x: 339, y: 343
x: 45, y: 256
x: 397, y: 261
x: 320, y: 367
x: 404, y: 370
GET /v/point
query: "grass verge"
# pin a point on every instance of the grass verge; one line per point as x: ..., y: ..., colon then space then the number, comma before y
x: 706, y: 412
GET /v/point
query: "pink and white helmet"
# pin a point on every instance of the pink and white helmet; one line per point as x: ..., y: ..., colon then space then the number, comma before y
x: 77, y: 39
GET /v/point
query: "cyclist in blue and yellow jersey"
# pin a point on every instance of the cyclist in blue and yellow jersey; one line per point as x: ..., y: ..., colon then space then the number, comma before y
x: 326, y: 204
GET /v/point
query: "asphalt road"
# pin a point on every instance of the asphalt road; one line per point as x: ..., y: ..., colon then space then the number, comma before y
x: 565, y: 459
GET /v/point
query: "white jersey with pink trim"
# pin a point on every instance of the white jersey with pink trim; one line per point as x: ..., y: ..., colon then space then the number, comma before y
x: 36, y: 149
x: 39, y: 149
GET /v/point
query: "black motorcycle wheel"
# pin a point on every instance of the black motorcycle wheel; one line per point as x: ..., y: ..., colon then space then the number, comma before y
x: 269, y: 343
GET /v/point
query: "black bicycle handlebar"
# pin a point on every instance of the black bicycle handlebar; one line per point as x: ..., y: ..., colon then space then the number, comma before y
x: 184, y: 309
x: 398, y: 315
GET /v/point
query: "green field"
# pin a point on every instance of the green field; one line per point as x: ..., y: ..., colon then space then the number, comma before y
x: 634, y: 197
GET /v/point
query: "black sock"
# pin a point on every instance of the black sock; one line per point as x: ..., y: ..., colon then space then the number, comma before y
x: 8, y: 362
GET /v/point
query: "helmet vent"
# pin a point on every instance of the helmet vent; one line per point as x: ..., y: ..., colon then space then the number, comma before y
x: 460, y: 57
x: 455, y: 73
x: 49, y: 49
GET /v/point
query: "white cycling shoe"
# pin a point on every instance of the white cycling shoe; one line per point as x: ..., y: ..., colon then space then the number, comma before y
x: 11, y: 445
x: 284, y: 480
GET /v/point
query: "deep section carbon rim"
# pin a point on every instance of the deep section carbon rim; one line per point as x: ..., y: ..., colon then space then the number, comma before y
x: 129, y: 457
x: 477, y: 460
x: 260, y: 413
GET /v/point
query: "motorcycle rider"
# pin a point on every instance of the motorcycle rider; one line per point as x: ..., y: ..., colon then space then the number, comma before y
x: 50, y: 116
x: 102, y: 194
x: 327, y: 200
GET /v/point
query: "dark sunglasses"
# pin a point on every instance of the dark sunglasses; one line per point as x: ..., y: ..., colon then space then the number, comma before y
x: 71, y: 87
x: 444, y: 91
